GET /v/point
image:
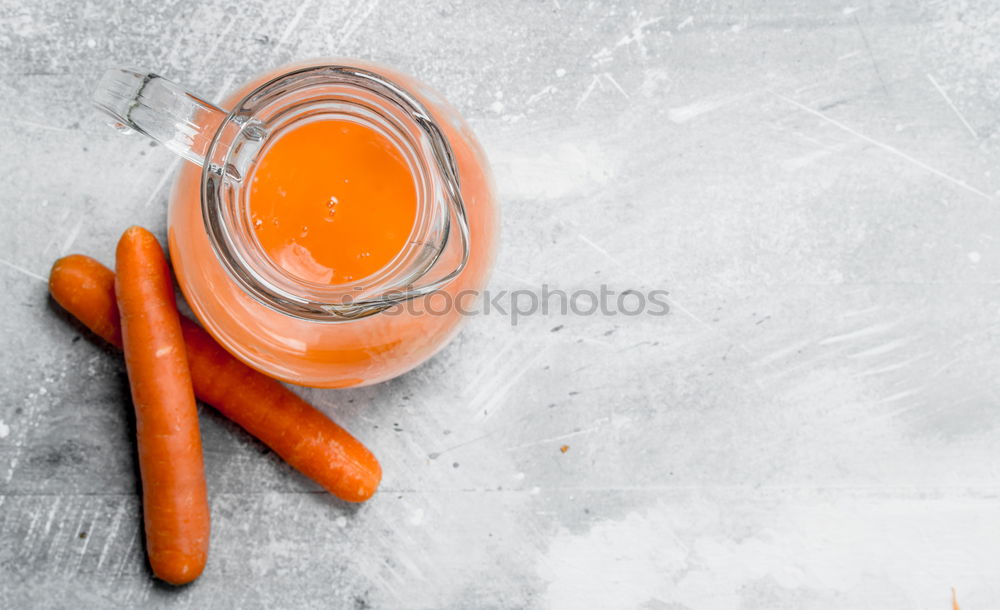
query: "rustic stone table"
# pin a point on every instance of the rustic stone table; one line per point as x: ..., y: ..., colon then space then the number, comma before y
x: 813, y: 425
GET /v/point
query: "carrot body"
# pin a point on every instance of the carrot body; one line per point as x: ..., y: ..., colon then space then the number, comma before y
x: 302, y: 435
x: 305, y: 438
x: 174, y: 495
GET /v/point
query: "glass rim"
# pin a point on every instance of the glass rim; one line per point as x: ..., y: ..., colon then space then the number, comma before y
x: 307, y: 300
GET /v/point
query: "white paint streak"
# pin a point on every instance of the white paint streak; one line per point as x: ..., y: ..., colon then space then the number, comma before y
x: 51, y: 516
x: 900, y: 396
x: 219, y: 37
x: 878, y: 350
x: 86, y: 543
x: 71, y: 237
x: 954, y: 108
x: 597, y: 426
x: 35, y: 125
x: 226, y: 84
x: 614, y: 83
x: 354, y: 23
x: 601, y: 250
x: 874, y: 329
x: 561, y: 171
x: 491, y: 399
x: 126, y: 555
x: 547, y: 90
x: 890, y: 149
x: 292, y: 24
x: 683, y: 114
x: 116, y: 523
x: 895, y: 367
x: 23, y: 270
x: 587, y: 92
x: 638, y: 33
x: 797, y: 163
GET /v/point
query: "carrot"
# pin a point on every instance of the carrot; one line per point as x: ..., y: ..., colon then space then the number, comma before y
x: 298, y: 432
x: 174, y: 495
x: 86, y: 289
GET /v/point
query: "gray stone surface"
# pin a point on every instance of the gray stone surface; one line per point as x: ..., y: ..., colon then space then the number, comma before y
x: 814, y: 425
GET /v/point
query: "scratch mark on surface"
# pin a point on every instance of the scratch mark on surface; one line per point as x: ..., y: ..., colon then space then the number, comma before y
x: 944, y: 367
x: 537, y: 96
x: 436, y: 454
x: 602, y: 57
x: 292, y: 24
x: 871, y: 55
x: 599, y: 424
x: 56, y: 545
x: 687, y: 21
x: 116, y: 523
x: 673, y: 302
x: 809, y: 87
x: 52, y: 514
x: 126, y: 555
x: 683, y: 114
x: 887, y: 148
x: 228, y: 82
x: 590, y: 243
x: 491, y: 405
x: 594, y: 341
x: 781, y: 353
x: 878, y: 350
x: 34, y: 125
x: 26, y: 542
x: 611, y: 79
x: 86, y: 542
x: 900, y: 396
x: 861, y: 312
x: 954, y: 108
x: 587, y: 92
x: 490, y: 366
x: 797, y: 163
x: 163, y: 181
x: 73, y: 234
x: 874, y: 329
x: 637, y: 33
x: 849, y: 55
x: 23, y: 270
x: 354, y: 23
x: 895, y: 367
x: 210, y: 54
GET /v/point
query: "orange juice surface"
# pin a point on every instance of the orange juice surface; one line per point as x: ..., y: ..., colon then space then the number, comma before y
x: 332, y: 201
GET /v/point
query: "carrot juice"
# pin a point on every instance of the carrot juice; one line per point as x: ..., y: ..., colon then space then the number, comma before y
x: 333, y: 202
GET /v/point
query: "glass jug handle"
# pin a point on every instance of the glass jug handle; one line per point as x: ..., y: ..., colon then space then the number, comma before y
x: 160, y: 109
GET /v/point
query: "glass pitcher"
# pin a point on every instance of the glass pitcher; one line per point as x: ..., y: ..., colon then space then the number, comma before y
x: 347, y: 332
